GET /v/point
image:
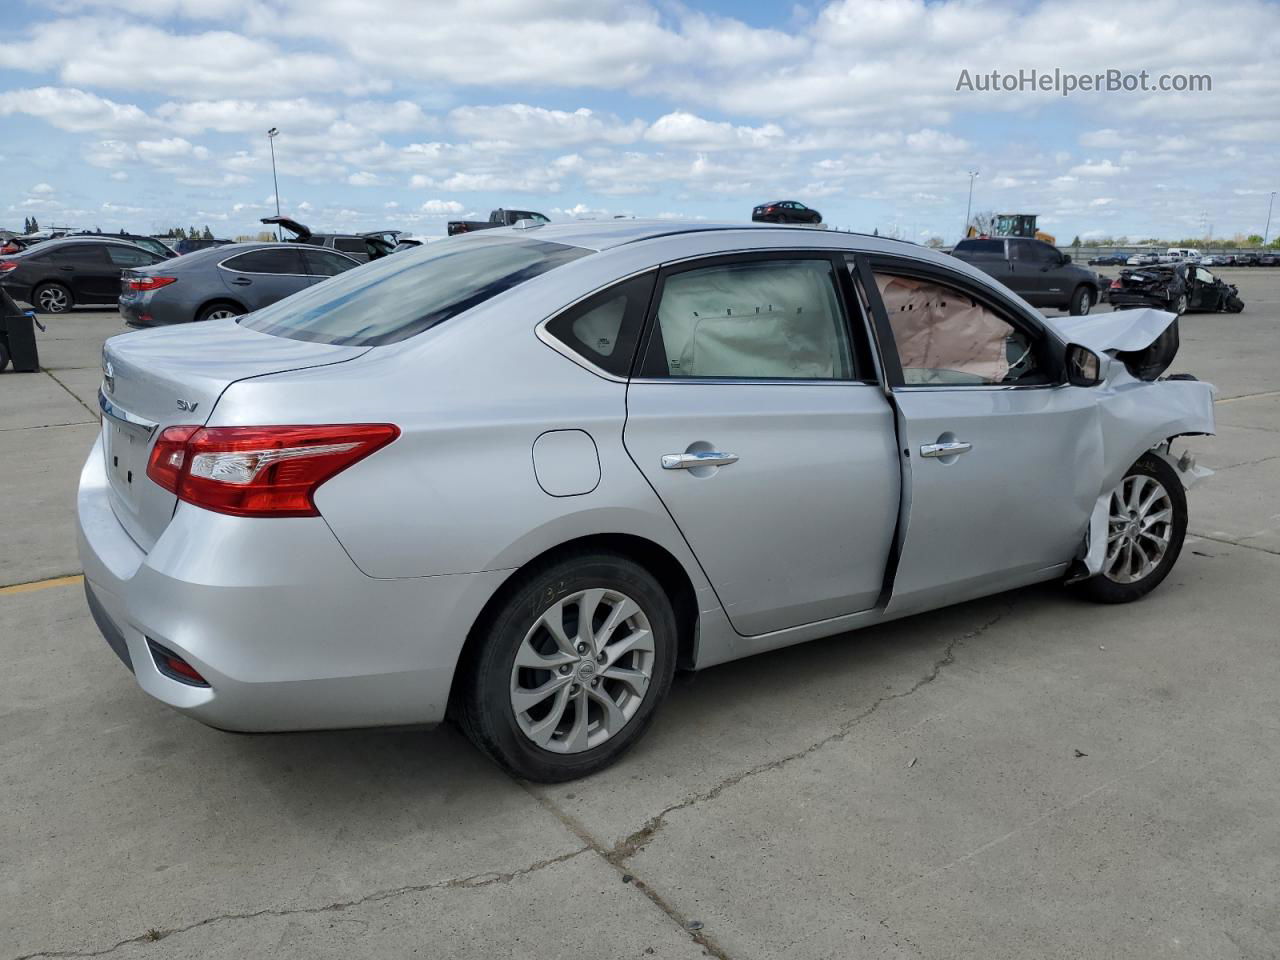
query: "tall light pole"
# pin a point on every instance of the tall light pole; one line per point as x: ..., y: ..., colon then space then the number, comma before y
x: 968, y: 207
x: 271, y: 139
x: 1267, y: 232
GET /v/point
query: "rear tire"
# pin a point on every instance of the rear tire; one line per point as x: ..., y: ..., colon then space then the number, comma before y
x: 1143, y: 543
x: 52, y: 298
x: 1179, y: 305
x: 218, y: 311
x: 1234, y: 305
x: 596, y: 702
x: 4, y: 357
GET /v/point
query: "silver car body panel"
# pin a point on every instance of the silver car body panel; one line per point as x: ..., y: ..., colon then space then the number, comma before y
x: 358, y: 616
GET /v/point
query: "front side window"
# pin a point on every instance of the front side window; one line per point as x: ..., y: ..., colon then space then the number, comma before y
x: 280, y: 260
x: 322, y: 263
x: 945, y: 337
x: 763, y: 319
x: 397, y: 297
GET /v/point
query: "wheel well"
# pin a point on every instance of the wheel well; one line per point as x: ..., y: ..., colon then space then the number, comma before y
x: 215, y: 301
x: 654, y: 558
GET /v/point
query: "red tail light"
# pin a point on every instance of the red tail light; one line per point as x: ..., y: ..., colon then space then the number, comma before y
x: 148, y: 283
x: 7, y: 265
x: 1116, y: 284
x: 260, y: 471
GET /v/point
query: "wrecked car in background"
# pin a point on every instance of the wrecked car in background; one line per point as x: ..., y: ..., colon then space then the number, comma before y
x: 363, y: 246
x: 1176, y: 287
x: 742, y: 438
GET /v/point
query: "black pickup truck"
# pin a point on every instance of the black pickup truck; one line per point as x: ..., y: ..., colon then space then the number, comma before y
x: 1038, y: 272
x: 497, y: 218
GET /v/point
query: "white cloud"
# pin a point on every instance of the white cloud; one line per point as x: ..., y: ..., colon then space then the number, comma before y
x: 42, y: 189
x: 442, y: 207
x: 364, y: 179
x: 75, y: 110
x: 693, y: 132
x: 1103, y: 169
x: 520, y: 123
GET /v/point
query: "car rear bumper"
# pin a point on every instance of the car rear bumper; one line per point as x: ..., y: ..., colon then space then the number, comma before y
x: 289, y: 634
x: 19, y: 291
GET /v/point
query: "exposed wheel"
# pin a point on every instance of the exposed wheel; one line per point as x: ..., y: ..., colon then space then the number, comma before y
x: 567, y: 673
x: 4, y: 356
x: 1179, y: 305
x: 1234, y: 304
x: 1081, y: 301
x: 52, y: 298
x: 219, y: 311
x: 1145, y: 529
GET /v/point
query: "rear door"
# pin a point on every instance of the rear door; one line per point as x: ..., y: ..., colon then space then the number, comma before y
x: 1002, y: 458
x: 258, y: 278
x: 754, y: 415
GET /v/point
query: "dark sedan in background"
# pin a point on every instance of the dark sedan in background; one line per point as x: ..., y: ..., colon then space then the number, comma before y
x: 223, y: 281
x: 785, y: 211
x: 56, y: 275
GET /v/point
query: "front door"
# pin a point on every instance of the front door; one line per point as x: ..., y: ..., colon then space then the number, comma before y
x: 754, y: 419
x: 1002, y: 459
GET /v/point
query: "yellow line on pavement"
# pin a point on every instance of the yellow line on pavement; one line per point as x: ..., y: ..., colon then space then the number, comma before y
x: 42, y: 584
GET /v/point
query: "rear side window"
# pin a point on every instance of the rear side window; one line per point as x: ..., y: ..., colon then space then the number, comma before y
x: 983, y: 248
x: 757, y: 320
x: 284, y: 260
x: 397, y: 297
x: 350, y: 245
x: 605, y: 328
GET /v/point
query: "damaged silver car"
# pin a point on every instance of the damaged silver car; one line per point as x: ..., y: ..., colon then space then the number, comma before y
x: 521, y: 477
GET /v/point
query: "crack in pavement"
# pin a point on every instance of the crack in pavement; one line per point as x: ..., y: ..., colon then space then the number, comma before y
x: 69, y: 393
x: 638, y: 840
x: 1234, y: 543
x: 475, y: 880
x: 1246, y: 463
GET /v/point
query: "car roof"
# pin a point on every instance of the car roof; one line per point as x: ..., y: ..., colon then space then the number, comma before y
x: 606, y: 234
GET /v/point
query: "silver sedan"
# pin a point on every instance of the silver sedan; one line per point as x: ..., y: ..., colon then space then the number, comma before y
x: 519, y: 478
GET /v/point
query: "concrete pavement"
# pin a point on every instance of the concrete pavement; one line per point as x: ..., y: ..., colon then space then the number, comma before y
x: 1022, y: 776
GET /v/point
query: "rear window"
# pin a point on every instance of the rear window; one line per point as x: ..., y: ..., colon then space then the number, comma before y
x: 986, y: 248
x: 395, y: 298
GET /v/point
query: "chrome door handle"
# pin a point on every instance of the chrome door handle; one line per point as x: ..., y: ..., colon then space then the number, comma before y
x: 951, y: 449
x: 686, y: 461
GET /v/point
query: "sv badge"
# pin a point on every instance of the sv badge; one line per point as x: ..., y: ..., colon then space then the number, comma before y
x: 187, y: 405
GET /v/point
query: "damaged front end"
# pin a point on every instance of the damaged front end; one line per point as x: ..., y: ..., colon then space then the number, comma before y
x: 1139, y: 410
x: 1158, y: 286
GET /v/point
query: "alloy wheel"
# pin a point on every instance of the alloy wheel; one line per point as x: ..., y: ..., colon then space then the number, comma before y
x: 53, y: 300
x: 582, y: 670
x: 1139, y: 527
x: 221, y: 315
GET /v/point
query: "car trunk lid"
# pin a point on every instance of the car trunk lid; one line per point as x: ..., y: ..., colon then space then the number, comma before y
x: 166, y: 377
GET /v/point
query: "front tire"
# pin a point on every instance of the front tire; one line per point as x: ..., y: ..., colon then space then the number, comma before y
x: 566, y: 675
x: 1081, y: 301
x: 218, y: 311
x: 1179, y: 305
x: 1145, y: 530
x: 52, y: 298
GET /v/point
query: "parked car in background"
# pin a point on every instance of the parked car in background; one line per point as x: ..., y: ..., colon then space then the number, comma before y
x: 354, y: 515
x: 192, y: 244
x: 1142, y: 259
x: 1248, y: 260
x: 57, y: 275
x: 1038, y: 272
x: 17, y: 244
x: 497, y: 218
x: 785, y: 211
x: 1109, y: 260
x: 1185, y: 254
x: 362, y: 246
x: 1268, y: 260
x: 158, y: 247
x: 1178, y: 288
x: 409, y: 241
x: 223, y: 281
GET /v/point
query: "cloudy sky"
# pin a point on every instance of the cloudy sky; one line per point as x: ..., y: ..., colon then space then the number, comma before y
x: 407, y: 113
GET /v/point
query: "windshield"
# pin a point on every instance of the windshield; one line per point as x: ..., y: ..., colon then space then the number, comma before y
x: 397, y: 297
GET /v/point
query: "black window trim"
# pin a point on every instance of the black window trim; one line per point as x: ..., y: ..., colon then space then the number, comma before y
x: 222, y: 264
x: 860, y: 353
x: 865, y: 266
